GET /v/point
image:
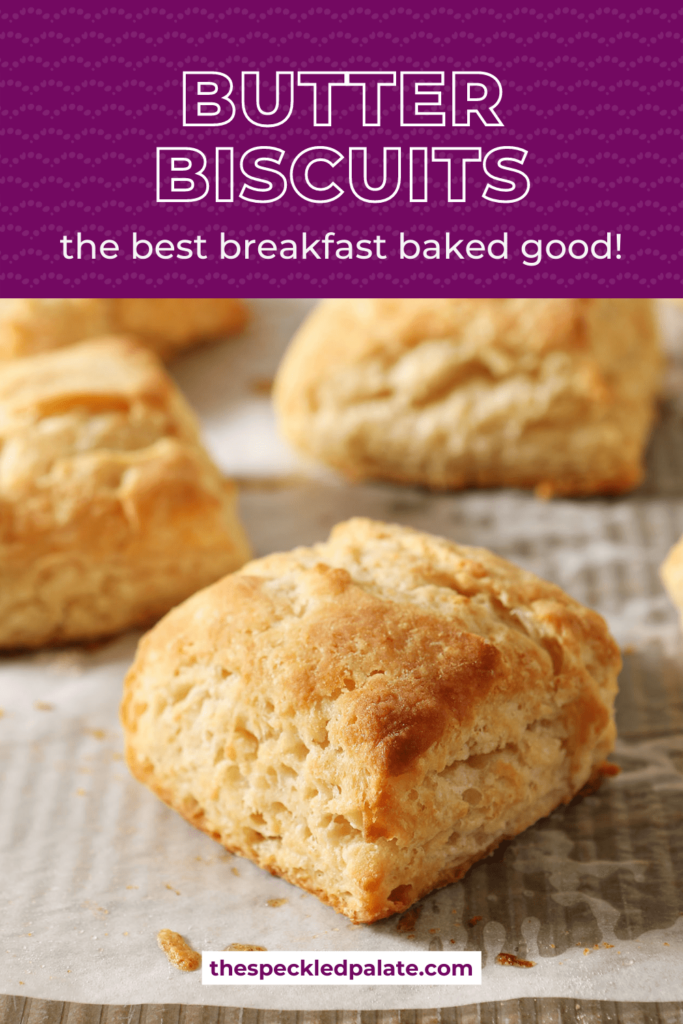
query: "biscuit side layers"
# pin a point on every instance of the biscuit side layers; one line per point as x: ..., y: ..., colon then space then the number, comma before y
x: 370, y: 716
x: 110, y: 510
x: 556, y: 394
x: 29, y: 326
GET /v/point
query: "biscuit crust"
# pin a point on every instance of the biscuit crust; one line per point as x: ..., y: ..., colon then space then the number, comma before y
x: 370, y: 716
x: 167, y: 326
x: 554, y: 394
x: 110, y: 509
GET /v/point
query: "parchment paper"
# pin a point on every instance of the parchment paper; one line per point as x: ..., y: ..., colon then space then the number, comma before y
x: 92, y: 865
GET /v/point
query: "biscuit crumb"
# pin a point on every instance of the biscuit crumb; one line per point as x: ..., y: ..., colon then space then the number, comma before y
x: 42, y: 705
x: 92, y: 646
x: 434, y: 931
x: 172, y: 889
x: 277, y: 903
x: 544, y: 491
x: 97, y: 734
x: 608, y: 945
x: 473, y: 920
x: 510, y: 960
x: 241, y: 947
x: 179, y: 953
x: 261, y: 385
x: 132, y: 887
x: 2, y: 713
x: 235, y: 872
x: 586, y: 952
x: 407, y: 921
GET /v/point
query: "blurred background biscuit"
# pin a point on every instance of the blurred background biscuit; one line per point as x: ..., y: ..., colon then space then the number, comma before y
x: 167, y: 326
x: 554, y: 394
x: 111, y: 511
x: 671, y: 573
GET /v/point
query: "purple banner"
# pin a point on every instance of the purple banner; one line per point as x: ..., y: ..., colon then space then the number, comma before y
x: 274, y: 151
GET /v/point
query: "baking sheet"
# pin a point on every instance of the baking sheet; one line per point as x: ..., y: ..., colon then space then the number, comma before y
x: 92, y: 865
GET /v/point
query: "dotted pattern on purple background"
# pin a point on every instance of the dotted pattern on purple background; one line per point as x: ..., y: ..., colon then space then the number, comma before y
x: 593, y: 93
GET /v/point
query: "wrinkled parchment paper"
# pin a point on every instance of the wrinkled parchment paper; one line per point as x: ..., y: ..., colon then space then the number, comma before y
x: 92, y: 865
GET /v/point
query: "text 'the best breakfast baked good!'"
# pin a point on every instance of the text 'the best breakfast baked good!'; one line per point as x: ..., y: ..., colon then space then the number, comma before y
x: 110, y: 509
x: 369, y: 716
x: 556, y: 394
x: 167, y: 326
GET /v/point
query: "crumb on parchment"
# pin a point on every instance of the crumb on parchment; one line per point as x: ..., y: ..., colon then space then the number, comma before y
x: 510, y: 960
x: 407, y: 921
x: 179, y: 953
x: 277, y: 903
x: 241, y: 947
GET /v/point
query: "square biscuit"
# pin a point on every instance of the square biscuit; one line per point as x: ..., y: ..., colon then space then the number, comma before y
x: 167, y: 326
x: 554, y: 394
x: 111, y: 511
x: 369, y: 716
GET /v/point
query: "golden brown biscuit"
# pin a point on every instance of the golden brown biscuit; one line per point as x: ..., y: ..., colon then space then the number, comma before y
x: 370, y: 716
x: 672, y: 575
x: 110, y: 509
x: 167, y: 326
x: 556, y: 394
